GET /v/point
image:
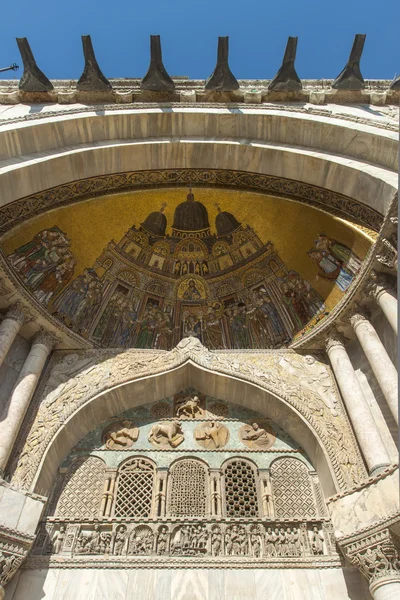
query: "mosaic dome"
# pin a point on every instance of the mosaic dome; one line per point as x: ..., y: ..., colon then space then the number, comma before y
x: 191, y: 215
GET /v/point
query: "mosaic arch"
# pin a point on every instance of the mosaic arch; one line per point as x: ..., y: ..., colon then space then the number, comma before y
x: 145, y: 269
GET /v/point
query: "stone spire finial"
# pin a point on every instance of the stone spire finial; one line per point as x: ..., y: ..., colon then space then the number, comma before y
x: 222, y: 78
x: 157, y: 78
x: 92, y: 79
x: 350, y: 78
x: 33, y: 79
x: 286, y: 79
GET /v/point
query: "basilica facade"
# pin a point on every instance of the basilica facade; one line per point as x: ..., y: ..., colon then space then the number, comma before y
x: 198, y: 337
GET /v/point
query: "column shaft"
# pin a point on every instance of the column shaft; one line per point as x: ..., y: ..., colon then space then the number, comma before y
x: 21, y: 395
x: 368, y: 436
x: 389, y: 590
x: 379, y: 360
x: 9, y: 328
x: 388, y: 304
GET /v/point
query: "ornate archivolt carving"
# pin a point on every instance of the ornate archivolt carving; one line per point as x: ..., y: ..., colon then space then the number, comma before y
x: 14, y: 546
x: 267, y: 370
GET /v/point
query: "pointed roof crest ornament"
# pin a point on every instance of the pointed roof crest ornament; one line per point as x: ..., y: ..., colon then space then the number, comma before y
x: 33, y: 79
x: 222, y: 78
x: 286, y: 79
x: 350, y: 78
x: 92, y: 78
x: 157, y: 78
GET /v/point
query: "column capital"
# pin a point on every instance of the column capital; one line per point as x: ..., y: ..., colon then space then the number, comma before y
x: 45, y: 338
x: 376, y: 554
x: 358, y: 315
x: 334, y: 340
x: 378, y: 283
x: 19, y: 313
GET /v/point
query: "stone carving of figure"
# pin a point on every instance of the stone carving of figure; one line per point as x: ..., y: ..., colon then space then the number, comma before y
x: 58, y: 540
x: 166, y: 434
x: 190, y: 408
x: 212, y: 435
x: 94, y: 540
x: 255, y: 543
x: 216, y: 541
x: 270, y: 542
x: 119, y: 540
x: 313, y: 376
x: 104, y: 542
x: 162, y: 540
x: 255, y: 436
x: 120, y: 434
x: 317, y: 541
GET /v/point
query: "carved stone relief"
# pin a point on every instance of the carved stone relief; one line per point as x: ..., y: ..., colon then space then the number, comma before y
x: 265, y: 370
x: 166, y: 434
x: 120, y: 434
x: 211, y: 435
x: 257, y: 436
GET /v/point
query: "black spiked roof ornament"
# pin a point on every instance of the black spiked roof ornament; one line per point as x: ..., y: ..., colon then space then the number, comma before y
x: 222, y: 78
x: 395, y: 85
x: 33, y: 79
x: 157, y: 78
x: 286, y: 79
x: 350, y: 78
x: 92, y: 78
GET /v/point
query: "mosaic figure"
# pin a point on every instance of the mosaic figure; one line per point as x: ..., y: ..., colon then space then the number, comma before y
x: 335, y: 261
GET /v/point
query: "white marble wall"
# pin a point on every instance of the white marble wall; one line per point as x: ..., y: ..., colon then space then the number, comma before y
x: 372, y: 391
x: 11, y: 367
x: 190, y: 584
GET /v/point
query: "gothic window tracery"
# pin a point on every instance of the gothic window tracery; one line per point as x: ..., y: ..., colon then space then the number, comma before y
x: 134, y: 488
x: 188, y: 489
x: 240, y: 489
x: 292, y: 489
x: 81, y: 489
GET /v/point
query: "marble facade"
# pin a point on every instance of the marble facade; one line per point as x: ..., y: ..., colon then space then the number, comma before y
x: 320, y: 400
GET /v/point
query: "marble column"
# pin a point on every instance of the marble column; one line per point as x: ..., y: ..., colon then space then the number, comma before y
x: 379, y: 360
x: 367, y: 434
x: 385, y: 588
x: 266, y: 494
x: 16, y: 316
x: 381, y: 289
x: 22, y: 393
x: 216, y: 493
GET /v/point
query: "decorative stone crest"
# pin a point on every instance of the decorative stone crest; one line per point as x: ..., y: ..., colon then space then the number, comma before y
x: 167, y: 434
x: 211, y: 435
x: 120, y: 434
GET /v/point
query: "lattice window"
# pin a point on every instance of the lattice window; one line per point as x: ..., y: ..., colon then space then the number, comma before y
x: 188, y: 489
x: 292, y: 489
x: 240, y: 490
x: 82, y: 489
x: 135, y: 489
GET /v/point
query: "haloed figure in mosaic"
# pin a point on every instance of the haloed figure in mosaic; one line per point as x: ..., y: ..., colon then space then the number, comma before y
x: 336, y: 261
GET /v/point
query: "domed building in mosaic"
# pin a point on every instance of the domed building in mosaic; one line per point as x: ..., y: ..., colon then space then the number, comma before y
x: 198, y: 338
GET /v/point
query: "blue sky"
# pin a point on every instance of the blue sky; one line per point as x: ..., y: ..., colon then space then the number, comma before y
x: 257, y: 29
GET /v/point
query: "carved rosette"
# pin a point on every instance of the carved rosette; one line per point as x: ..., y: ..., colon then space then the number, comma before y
x: 376, y: 554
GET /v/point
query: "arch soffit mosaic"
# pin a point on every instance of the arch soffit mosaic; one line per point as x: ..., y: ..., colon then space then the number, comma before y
x: 115, y: 385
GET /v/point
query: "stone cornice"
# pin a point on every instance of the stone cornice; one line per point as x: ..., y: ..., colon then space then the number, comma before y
x: 366, y: 483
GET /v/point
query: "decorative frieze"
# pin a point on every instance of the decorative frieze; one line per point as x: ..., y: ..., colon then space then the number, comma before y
x: 133, y: 543
x: 14, y: 546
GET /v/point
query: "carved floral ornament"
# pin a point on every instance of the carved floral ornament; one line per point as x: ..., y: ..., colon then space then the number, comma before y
x: 302, y: 382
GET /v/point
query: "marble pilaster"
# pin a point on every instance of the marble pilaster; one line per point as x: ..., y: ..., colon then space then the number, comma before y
x: 22, y: 393
x: 379, y: 360
x: 11, y: 324
x: 367, y: 434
